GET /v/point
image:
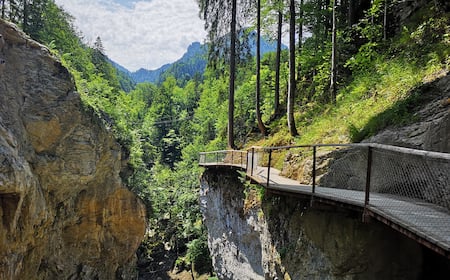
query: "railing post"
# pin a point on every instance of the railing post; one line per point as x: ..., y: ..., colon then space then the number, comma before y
x: 368, y: 177
x: 217, y: 157
x: 246, y: 163
x: 253, y: 160
x: 268, y: 168
x: 314, y: 170
x: 232, y: 156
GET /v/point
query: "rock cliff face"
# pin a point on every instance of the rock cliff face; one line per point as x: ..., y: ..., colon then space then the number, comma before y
x: 284, y: 238
x: 64, y: 211
x: 431, y: 130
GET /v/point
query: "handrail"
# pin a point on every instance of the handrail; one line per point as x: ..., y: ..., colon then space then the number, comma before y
x: 411, y: 151
x: 395, y: 176
x: 386, y: 157
x: 312, y: 145
x: 219, y: 151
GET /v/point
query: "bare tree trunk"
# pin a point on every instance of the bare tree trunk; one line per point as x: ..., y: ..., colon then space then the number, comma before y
x: 25, y: 24
x: 261, y: 126
x: 328, y: 24
x: 232, y: 77
x: 278, y: 63
x: 385, y: 20
x: 292, y: 80
x: 300, y: 40
x: 333, y: 77
x: 351, y: 13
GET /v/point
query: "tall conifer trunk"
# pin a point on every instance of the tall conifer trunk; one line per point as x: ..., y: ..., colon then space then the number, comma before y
x: 278, y: 63
x: 333, y: 78
x: 351, y: 13
x: 292, y: 80
x: 25, y: 24
x: 385, y: 19
x: 261, y: 126
x: 232, y: 76
x: 300, y: 40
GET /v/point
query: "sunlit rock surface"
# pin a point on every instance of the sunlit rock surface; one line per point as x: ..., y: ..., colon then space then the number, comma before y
x: 283, y: 237
x: 64, y: 211
x: 431, y: 127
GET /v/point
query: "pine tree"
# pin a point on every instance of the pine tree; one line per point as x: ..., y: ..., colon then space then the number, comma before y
x: 333, y: 77
x: 278, y: 62
x: 261, y: 125
x: 292, y: 79
x: 223, y: 42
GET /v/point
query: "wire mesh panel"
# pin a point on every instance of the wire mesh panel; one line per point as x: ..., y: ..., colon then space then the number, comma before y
x: 342, y: 168
x: 226, y: 157
x: 211, y: 157
x: 412, y: 175
x: 394, y: 171
x: 235, y: 157
x: 297, y: 163
x: 254, y: 160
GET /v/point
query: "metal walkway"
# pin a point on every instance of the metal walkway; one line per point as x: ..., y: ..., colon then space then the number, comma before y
x: 424, y: 221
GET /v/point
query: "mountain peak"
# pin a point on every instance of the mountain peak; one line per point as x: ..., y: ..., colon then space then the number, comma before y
x: 192, y: 62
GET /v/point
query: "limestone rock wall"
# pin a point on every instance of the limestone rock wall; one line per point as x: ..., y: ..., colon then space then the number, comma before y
x: 64, y: 212
x: 431, y: 130
x: 284, y: 238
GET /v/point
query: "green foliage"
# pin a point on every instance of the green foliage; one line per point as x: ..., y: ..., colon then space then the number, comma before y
x: 198, y: 254
x: 364, y: 59
x: 258, y: 189
x: 399, y: 114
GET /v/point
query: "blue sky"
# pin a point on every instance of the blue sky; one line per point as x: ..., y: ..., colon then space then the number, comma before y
x: 138, y: 33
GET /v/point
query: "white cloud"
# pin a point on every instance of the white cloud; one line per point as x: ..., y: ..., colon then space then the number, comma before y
x: 139, y: 34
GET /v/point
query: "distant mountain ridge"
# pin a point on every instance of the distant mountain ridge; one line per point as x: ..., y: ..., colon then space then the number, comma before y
x: 192, y: 63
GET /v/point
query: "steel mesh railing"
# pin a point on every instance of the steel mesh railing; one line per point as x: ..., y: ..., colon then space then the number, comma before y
x: 224, y: 157
x: 346, y: 169
x: 412, y: 174
x: 405, y: 188
x: 370, y: 168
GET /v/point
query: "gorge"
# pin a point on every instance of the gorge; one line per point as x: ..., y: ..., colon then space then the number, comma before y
x: 99, y: 176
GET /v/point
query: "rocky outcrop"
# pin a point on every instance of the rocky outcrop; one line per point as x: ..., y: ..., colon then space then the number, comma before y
x: 431, y: 129
x: 280, y: 237
x: 64, y: 211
